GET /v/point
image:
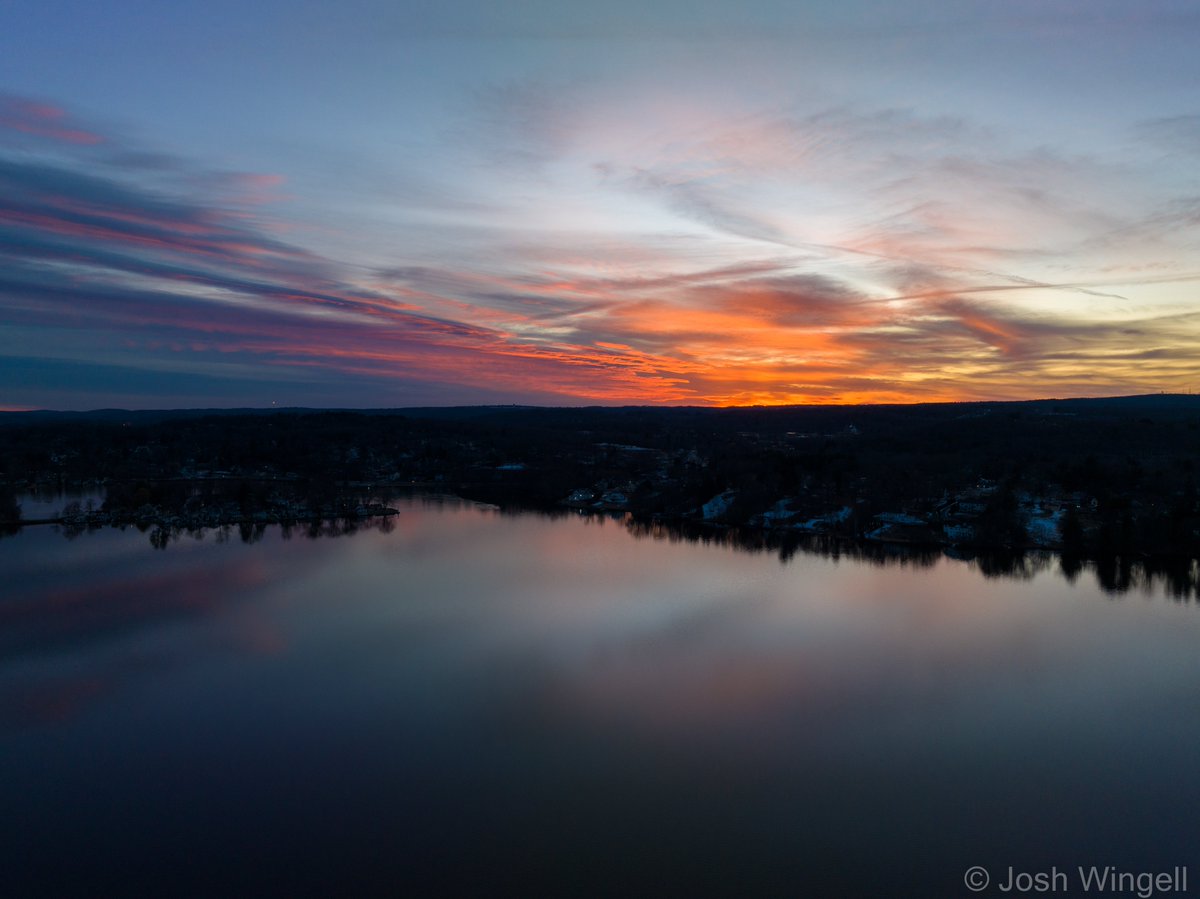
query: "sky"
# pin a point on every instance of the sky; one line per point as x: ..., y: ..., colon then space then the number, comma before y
x: 381, y: 204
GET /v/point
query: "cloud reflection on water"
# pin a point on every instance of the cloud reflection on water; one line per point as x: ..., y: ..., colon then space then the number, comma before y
x: 525, y: 691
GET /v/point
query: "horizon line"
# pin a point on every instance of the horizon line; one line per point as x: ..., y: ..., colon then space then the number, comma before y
x: 273, y: 408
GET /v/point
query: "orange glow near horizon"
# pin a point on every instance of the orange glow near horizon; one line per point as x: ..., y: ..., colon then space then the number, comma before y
x: 729, y: 264
x: 759, y: 344
x: 743, y: 344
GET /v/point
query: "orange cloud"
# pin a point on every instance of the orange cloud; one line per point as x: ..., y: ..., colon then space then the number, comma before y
x: 190, y: 286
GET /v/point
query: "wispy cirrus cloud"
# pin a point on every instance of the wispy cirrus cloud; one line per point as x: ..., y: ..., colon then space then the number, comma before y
x: 1179, y: 133
x: 171, y: 274
x: 833, y: 255
x: 35, y: 118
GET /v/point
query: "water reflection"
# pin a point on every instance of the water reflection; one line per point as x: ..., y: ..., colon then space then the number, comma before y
x: 53, y: 501
x: 473, y: 701
x: 1179, y: 578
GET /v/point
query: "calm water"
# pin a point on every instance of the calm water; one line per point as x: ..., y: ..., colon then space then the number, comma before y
x: 476, y: 701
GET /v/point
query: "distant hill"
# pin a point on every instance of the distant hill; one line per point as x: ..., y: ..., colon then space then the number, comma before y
x: 1161, y: 403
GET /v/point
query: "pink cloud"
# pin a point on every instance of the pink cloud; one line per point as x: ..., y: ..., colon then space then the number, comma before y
x: 43, y: 120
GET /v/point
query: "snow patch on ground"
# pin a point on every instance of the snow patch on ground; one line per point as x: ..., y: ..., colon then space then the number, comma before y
x: 899, y: 518
x: 959, y: 533
x: 718, y: 505
x: 778, y: 512
x: 822, y: 522
x: 1043, y: 528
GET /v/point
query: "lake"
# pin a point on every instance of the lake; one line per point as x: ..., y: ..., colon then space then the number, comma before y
x: 468, y: 701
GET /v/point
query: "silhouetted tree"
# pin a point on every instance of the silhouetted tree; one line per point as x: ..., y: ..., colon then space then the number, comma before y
x: 10, y: 512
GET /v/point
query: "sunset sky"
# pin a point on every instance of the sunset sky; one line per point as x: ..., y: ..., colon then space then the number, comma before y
x: 373, y: 203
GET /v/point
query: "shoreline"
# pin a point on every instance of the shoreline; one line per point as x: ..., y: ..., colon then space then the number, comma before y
x: 346, y: 510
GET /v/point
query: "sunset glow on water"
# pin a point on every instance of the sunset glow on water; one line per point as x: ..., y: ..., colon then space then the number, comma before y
x: 470, y: 700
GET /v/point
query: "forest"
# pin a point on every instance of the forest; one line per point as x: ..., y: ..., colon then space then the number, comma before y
x: 1091, y: 478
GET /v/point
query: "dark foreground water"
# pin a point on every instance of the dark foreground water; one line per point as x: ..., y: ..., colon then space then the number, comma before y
x: 472, y: 702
